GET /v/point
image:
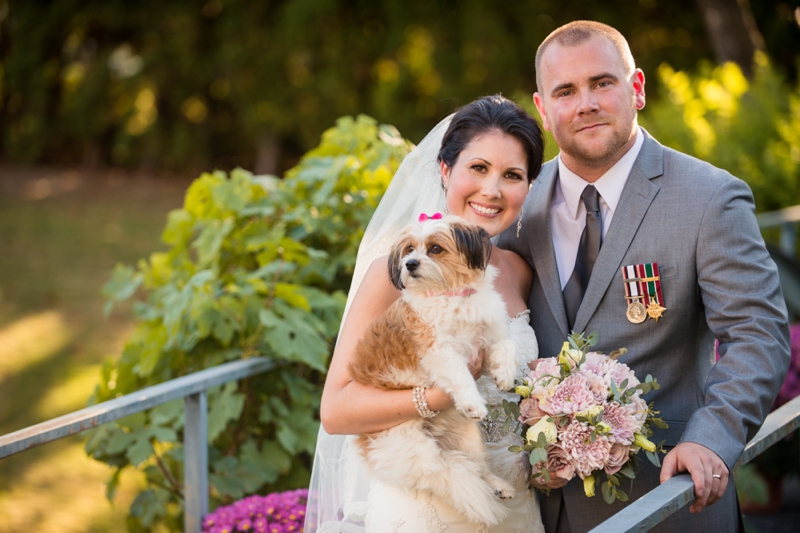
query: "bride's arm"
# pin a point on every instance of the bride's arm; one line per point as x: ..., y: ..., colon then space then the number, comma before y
x: 514, y: 281
x: 349, y: 407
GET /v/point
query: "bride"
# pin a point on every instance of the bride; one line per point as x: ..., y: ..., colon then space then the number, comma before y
x: 477, y: 164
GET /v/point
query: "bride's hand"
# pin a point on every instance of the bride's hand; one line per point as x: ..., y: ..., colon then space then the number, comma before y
x: 555, y: 482
x: 533, y: 364
x: 475, y: 364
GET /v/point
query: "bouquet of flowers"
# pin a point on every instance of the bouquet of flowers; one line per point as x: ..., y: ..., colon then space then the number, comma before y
x: 279, y: 512
x: 583, y: 412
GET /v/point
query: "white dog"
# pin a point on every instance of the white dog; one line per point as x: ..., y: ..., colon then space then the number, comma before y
x: 447, y: 311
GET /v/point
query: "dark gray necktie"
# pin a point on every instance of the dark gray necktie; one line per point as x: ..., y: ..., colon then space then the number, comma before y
x: 589, y: 247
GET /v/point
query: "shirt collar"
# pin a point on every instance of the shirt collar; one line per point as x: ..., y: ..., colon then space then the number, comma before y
x: 609, y: 185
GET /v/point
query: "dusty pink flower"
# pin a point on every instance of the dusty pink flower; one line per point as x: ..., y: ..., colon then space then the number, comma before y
x: 597, y: 364
x: 558, y: 463
x: 597, y: 386
x: 570, y: 396
x: 529, y: 412
x: 618, y: 455
x: 545, y: 377
x: 620, y: 372
x: 637, y: 408
x: 623, y: 423
x: 586, y: 456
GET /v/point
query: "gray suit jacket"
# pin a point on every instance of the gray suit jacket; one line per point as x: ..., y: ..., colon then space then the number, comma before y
x: 697, y: 222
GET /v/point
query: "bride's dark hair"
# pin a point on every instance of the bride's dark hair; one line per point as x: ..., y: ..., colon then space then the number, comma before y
x: 493, y: 113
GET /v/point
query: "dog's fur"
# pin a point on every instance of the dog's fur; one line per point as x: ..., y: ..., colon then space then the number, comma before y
x: 447, y: 311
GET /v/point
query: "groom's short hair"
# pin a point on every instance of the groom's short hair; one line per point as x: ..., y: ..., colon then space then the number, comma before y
x: 580, y: 31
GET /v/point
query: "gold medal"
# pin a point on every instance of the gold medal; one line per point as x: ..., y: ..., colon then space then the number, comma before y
x: 654, y: 310
x: 636, y: 313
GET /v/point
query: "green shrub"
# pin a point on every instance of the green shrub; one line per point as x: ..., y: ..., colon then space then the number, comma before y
x: 256, y: 266
x: 750, y: 128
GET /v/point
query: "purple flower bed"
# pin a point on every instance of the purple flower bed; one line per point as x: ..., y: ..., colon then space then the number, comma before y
x: 279, y: 512
x: 791, y: 385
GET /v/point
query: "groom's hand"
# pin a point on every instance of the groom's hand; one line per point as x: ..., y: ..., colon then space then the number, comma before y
x: 709, y: 473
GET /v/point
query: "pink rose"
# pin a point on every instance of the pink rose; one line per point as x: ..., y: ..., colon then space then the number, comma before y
x: 617, y: 457
x: 558, y: 463
x: 529, y: 412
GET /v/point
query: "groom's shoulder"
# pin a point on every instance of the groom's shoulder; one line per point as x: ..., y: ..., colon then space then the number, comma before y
x: 682, y: 169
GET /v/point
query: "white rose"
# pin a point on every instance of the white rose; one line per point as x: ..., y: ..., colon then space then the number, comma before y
x: 542, y: 426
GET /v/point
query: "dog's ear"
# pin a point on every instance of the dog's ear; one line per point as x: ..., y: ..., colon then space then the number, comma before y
x: 473, y: 243
x: 395, y: 269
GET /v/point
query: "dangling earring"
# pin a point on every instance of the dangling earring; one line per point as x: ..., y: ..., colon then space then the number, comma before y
x: 446, y: 209
x: 519, y: 223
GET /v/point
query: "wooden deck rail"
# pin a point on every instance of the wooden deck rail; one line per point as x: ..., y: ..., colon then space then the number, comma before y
x: 191, y: 388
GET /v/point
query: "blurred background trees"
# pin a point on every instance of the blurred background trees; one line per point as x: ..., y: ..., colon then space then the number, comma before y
x: 179, y: 87
x: 189, y: 85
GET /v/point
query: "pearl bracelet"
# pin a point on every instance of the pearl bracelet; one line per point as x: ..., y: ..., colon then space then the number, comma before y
x: 421, y: 404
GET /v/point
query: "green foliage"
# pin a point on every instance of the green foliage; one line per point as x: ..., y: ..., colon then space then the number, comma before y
x: 186, y: 84
x: 750, y: 128
x: 257, y: 266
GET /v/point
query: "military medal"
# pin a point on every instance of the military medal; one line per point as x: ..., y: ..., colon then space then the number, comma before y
x: 636, y: 312
x: 643, y: 292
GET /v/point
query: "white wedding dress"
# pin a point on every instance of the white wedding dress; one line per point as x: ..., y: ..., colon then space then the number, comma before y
x: 342, y: 496
x: 392, y: 509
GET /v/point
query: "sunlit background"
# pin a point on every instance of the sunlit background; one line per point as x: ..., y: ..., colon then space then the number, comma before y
x: 109, y: 108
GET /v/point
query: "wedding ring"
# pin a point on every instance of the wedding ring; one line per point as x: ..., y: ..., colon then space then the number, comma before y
x: 718, y: 476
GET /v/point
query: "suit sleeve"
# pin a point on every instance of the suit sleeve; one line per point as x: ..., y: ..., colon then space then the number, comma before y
x: 740, y: 291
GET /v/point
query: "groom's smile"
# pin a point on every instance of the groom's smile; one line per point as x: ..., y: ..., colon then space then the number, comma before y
x: 589, y: 103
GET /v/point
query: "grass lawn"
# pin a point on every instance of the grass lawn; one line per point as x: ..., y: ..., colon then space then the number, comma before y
x: 61, y: 233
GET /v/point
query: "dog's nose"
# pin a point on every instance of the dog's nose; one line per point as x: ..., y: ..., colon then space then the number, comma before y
x: 412, y: 265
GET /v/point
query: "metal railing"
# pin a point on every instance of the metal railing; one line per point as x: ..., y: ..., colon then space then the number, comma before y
x: 641, y: 515
x: 667, y: 498
x: 787, y: 219
x: 191, y: 388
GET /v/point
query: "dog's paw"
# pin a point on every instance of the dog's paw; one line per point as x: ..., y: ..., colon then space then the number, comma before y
x: 504, y: 377
x: 501, y: 488
x: 474, y: 410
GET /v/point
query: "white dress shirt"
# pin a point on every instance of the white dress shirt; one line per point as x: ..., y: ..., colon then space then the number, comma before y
x: 568, y: 214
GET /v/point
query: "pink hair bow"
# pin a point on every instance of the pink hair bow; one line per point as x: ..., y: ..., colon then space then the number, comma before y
x: 423, y: 217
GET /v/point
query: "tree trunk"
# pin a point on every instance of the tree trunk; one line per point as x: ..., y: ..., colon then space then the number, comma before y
x: 267, y: 153
x: 732, y: 31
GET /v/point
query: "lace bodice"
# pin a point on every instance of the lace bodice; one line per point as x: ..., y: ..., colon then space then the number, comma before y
x: 527, y: 351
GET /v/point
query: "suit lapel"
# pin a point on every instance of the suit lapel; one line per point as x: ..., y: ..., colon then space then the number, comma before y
x: 637, y: 195
x: 541, y: 244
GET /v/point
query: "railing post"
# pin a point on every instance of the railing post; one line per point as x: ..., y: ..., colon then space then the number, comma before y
x: 195, y: 462
x: 788, y: 238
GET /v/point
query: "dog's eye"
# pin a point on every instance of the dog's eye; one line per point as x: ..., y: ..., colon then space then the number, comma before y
x: 434, y: 249
x: 409, y: 249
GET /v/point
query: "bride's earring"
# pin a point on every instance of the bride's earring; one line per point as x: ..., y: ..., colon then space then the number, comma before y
x: 446, y: 209
x: 519, y: 222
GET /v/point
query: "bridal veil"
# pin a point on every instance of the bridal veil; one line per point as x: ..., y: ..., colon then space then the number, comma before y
x: 337, y: 498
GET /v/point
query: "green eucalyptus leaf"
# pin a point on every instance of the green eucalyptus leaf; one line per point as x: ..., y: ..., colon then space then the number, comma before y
x: 608, y: 493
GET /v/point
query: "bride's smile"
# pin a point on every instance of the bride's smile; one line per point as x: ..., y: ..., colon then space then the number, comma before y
x: 488, y: 182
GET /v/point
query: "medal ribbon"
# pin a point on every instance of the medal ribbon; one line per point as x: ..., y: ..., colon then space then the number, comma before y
x: 643, y: 282
x: 653, y: 284
x: 632, y: 289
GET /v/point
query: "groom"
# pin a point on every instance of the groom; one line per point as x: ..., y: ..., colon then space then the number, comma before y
x: 657, y: 252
